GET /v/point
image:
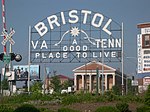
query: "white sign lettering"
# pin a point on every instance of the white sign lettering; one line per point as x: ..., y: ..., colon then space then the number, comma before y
x: 42, y: 29
x: 74, y: 35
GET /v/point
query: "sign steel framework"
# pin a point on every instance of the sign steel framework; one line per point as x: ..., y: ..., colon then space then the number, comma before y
x: 75, y: 36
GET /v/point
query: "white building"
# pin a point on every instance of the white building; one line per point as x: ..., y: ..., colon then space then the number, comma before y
x: 85, y: 77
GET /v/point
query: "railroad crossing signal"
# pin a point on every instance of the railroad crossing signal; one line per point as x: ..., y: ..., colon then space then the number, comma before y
x: 6, y: 59
x: 8, y: 37
x: 10, y: 57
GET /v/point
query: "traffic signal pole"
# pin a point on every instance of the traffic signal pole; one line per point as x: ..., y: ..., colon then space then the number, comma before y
x: 4, y: 21
x: 11, y: 83
x: 4, y: 28
x: 7, y: 58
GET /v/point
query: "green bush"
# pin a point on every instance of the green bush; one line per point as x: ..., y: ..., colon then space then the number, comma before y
x: 78, y: 98
x: 122, y: 107
x: 109, y: 96
x: 67, y: 110
x: 87, y: 97
x: 131, y: 98
x: 116, y: 90
x: 45, y: 110
x: 36, y: 95
x: 5, y: 108
x: 25, y: 98
x: 70, y: 99
x: 143, y: 109
x: 26, y: 108
x: 46, y: 97
x: 100, y: 99
x: 16, y: 99
x: 106, y: 109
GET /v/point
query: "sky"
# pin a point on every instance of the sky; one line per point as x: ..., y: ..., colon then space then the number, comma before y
x: 20, y: 14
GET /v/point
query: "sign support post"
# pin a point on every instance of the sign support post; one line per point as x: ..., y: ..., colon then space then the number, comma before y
x: 122, y: 64
x: 102, y: 68
x: 97, y: 78
x: 29, y: 60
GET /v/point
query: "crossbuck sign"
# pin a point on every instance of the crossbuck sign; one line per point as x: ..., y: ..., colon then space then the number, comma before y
x: 8, y: 37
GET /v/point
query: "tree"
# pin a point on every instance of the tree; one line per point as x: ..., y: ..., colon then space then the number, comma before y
x: 129, y: 87
x: 67, y: 84
x: 147, y: 96
x: 5, y: 85
x: 116, y: 90
x: 36, y: 88
x: 55, y: 83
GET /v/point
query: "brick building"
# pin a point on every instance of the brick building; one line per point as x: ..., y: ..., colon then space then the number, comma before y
x: 62, y: 79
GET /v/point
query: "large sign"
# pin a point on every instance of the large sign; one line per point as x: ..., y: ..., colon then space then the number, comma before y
x: 139, y: 54
x: 146, y: 81
x: 75, y: 36
x: 145, y: 30
x: 143, y: 50
x: 22, y: 72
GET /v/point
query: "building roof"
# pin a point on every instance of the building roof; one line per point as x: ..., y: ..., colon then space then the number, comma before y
x: 143, y: 25
x: 62, y: 77
x: 93, y: 66
x: 142, y: 75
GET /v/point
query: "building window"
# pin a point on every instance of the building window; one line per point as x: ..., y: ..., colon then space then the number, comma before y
x: 146, y: 41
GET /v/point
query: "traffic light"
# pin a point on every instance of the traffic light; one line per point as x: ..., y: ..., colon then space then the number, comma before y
x: 16, y: 57
x: 132, y: 77
x: 11, y: 56
x: 1, y: 56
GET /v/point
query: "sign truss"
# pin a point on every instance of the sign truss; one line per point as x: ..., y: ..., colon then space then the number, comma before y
x: 76, y: 36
